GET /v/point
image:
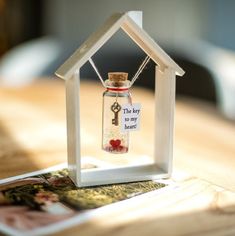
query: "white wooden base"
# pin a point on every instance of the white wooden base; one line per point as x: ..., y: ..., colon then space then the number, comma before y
x: 93, y: 177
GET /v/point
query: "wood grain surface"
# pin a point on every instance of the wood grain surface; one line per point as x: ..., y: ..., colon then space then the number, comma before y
x: 33, y: 136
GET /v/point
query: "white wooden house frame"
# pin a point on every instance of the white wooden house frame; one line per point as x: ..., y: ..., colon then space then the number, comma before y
x: 166, y: 71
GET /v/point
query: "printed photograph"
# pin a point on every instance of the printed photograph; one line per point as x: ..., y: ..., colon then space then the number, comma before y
x: 39, y: 201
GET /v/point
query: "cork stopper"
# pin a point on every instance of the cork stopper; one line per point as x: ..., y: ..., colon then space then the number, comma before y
x: 117, y: 79
x: 118, y: 76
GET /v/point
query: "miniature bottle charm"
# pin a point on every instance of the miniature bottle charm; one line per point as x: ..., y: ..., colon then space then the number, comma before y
x: 116, y: 95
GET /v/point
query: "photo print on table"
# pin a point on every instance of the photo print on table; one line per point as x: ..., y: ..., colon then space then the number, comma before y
x: 45, y: 202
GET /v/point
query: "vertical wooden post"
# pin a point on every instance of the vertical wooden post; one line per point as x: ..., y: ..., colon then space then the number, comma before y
x: 164, y: 117
x: 73, y: 127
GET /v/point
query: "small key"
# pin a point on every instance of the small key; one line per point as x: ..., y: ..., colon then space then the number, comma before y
x: 115, y: 108
x: 115, y: 119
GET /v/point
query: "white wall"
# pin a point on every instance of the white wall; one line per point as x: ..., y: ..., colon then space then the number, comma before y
x: 165, y: 20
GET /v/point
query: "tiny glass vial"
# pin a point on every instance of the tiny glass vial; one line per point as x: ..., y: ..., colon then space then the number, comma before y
x: 114, y: 140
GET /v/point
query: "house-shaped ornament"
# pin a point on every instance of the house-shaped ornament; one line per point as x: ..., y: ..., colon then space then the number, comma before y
x: 165, y: 73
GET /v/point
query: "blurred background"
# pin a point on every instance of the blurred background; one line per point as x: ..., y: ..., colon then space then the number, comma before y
x: 37, y: 36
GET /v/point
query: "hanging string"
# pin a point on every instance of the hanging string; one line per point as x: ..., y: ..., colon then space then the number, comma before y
x: 139, y: 71
x: 135, y: 77
x: 96, y: 70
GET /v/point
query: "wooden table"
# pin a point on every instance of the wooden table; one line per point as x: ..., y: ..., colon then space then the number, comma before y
x: 33, y: 136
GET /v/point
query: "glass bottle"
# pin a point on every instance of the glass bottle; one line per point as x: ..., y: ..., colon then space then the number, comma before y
x: 114, y: 140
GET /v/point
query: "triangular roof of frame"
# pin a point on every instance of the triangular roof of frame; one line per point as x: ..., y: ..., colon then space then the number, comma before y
x: 104, y: 33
